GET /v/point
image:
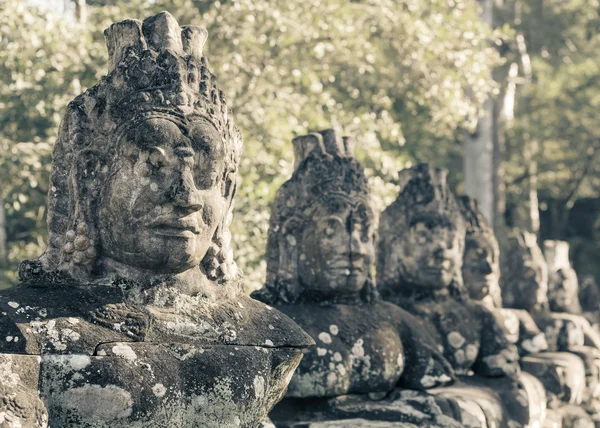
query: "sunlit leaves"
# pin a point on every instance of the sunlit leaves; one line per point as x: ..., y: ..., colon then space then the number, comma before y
x: 401, y: 76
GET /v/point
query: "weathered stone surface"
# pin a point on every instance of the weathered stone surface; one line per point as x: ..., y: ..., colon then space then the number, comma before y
x: 420, y: 267
x: 413, y: 408
x: 320, y: 256
x: 421, y: 244
x: 481, y: 263
x: 525, y: 286
x: 135, y: 315
x: 569, y: 377
x: 20, y: 405
x: 481, y: 273
x: 563, y: 285
x: 502, y: 403
x: 526, y: 269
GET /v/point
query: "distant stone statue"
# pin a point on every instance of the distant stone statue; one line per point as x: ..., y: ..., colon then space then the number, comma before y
x: 134, y: 315
x: 419, y: 267
x: 481, y: 275
x: 320, y: 259
x: 565, y: 377
x: 563, y: 285
x: 525, y: 286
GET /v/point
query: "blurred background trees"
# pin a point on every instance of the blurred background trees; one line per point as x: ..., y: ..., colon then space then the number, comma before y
x: 407, y: 78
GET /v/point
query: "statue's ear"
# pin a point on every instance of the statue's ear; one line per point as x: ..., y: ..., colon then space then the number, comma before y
x: 82, y: 243
x: 287, y: 274
x: 90, y: 169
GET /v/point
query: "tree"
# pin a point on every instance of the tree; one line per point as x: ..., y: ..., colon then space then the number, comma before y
x: 391, y: 73
x: 556, y: 115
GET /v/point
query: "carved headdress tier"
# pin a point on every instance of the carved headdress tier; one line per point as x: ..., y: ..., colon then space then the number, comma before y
x: 425, y: 198
x: 327, y: 179
x: 156, y: 71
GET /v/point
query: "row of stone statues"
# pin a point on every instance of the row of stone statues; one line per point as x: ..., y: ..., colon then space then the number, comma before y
x: 135, y: 315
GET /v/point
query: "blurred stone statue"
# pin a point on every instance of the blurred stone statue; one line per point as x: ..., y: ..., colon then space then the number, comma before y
x: 563, y: 284
x: 589, y: 298
x: 525, y: 286
x: 135, y: 314
x: 563, y: 374
x: 419, y: 267
x: 320, y: 259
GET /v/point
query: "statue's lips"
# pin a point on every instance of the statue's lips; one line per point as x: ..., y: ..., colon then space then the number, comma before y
x: 183, y: 228
x: 347, y: 270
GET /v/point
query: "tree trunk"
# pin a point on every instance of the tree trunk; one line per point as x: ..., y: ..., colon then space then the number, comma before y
x: 527, y: 214
x: 3, y: 238
x: 80, y: 11
x: 479, y: 165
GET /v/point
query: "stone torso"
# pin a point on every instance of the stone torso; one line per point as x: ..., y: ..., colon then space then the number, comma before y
x: 102, y: 362
x: 457, y: 328
x: 364, y: 349
x: 358, y: 350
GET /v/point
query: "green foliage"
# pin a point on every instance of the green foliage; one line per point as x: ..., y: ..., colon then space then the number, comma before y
x: 400, y: 76
x: 559, y: 108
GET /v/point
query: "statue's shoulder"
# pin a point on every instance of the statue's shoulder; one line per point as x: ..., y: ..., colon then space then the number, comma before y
x: 263, y: 323
x: 57, y: 318
x: 238, y: 319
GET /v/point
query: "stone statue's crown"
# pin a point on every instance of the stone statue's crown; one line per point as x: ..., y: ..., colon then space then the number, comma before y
x: 475, y: 222
x: 156, y: 70
x: 326, y: 175
x: 424, y: 196
x: 325, y: 167
x: 157, y: 66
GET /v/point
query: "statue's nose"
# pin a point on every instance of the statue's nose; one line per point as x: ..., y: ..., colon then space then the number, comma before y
x: 486, y: 267
x: 183, y: 191
x: 357, y: 246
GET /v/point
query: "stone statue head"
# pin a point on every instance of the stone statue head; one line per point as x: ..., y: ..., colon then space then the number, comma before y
x: 321, y: 236
x: 524, y: 280
x: 563, y: 285
x: 421, y: 237
x: 481, y: 264
x: 144, y: 168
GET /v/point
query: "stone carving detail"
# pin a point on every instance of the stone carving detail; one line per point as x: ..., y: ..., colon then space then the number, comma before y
x: 525, y: 274
x: 327, y: 195
x: 320, y: 257
x: 481, y: 264
x: 135, y: 313
x: 563, y: 375
x: 481, y: 272
x: 421, y: 245
x: 563, y: 285
x: 525, y: 286
x: 149, y: 144
x: 419, y: 267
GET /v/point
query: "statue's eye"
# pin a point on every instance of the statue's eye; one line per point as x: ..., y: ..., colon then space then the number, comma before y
x: 157, y: 158
x: 332, y: 227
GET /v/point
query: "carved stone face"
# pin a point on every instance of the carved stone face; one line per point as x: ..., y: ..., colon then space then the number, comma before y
x: 336, y: 250
x: 532, y: 289
x: 429, y: 254
x: 162, y: 202
x: 481, y: 268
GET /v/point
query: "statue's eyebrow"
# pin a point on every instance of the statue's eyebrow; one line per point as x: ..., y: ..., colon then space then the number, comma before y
x: 184, y: 151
